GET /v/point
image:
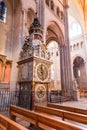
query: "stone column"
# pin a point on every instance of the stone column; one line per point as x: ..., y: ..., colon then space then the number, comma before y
x: 24, y: 21
x: 41, y: 14
x: 18, y: 43
x: 66, y: 78
x: 62, y: 67
x: 85, y: 50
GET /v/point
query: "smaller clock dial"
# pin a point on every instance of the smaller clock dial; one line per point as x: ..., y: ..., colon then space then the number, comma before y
x: 40, y: 92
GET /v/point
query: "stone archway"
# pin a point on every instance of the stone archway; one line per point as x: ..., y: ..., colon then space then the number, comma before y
x: 54, y: 33
x: 54, y: 39
x: 79, y: 72
x: 54, y: 52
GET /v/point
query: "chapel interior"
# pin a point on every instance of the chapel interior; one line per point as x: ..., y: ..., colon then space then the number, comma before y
x: 43, y: 52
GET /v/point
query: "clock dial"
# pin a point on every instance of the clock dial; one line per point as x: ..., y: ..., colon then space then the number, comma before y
x: 40, y: 92
x: 42, y: 72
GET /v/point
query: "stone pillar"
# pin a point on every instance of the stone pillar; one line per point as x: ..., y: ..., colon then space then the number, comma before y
x: 62, y: 67
x: 85, y: 51
x: 66, y: 78
x: 24, y: 21
x: 17, y: 45
x: 41, y: 15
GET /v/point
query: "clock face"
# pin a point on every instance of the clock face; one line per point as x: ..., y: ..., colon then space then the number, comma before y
x: 40, y: 92
x: 42, y: 71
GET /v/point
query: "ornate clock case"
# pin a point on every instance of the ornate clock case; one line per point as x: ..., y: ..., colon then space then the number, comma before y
x: 41, y: 79
x: 33, y: 69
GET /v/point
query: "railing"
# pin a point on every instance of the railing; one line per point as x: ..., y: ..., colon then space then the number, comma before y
x: 4, y: 85
x: 8, y: 98
x: 23, y: 99
x: 55, y: 96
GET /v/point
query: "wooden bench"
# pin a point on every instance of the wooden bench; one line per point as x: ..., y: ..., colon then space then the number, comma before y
x: 63, y: 114
x: 40, y: 120
x: 67, y: 108
x: 7, y: 124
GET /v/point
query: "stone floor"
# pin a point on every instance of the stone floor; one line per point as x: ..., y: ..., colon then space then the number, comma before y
x: 81, y: 103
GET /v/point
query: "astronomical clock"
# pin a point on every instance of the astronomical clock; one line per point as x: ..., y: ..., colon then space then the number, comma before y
x: 33, y: 68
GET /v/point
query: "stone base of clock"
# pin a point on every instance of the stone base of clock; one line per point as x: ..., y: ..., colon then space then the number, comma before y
x: 25, y: 95
x: 32, y: 93
x: 39, y: 94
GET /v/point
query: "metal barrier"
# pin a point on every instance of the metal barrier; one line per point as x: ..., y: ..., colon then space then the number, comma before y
x: 23, y: 98
x: 17, y: 98
x: 8, y: 98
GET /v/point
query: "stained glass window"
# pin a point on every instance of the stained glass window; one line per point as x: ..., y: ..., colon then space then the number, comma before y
x: 75, y: 28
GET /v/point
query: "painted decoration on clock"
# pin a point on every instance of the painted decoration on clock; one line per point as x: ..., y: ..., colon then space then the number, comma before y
x: 42, y: 72
x: 40, y: 92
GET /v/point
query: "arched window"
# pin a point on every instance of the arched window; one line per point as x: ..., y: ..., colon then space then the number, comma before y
x: 58, y: 11
x: 3, y: 10
x: 79, y: 71
x: 62, y: 15
x: 75, y: 28
x: 81, y: 44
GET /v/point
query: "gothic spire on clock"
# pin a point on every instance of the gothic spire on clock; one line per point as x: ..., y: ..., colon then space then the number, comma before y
x: 33, y: 45
x: 36, y: 32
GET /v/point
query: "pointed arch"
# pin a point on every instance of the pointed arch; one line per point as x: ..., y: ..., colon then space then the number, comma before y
x: 54, y: 33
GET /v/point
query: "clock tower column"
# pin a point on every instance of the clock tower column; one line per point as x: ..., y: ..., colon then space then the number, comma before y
x: 33, y: 68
